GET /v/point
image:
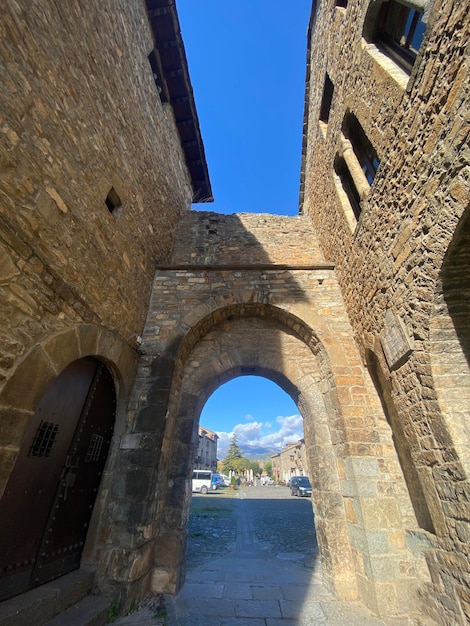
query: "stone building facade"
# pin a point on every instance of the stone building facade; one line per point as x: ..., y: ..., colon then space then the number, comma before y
x: 290, y: 461
x: 399, y: 238
x: 99, y: 157
x: 206, y: 453
x: 115, y: 294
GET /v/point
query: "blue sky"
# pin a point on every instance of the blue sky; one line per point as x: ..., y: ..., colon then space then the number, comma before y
x: 247, y: 65
x: 256, y: 410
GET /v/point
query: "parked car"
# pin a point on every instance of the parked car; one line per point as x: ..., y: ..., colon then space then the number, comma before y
x: 267, y: 480
x: 300, y: 486
x: 220, y: 480
x: 202, y: 481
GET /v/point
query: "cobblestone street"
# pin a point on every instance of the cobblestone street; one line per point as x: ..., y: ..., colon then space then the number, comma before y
x: 252, y: 561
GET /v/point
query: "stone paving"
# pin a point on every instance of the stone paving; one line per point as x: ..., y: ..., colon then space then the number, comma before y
x: 252, y: 561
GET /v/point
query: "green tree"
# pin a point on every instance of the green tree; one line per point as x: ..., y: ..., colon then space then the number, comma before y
x: 241, y: 465
x: 268, y: 468
x: 255, y: 467
x: 234, y: 454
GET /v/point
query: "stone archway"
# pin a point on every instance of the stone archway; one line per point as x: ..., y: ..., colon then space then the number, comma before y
x: 354, y: 470
x: 278, y: 354
x: 191, y: 345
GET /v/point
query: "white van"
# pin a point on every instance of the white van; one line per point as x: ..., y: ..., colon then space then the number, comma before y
x: 202, y: 481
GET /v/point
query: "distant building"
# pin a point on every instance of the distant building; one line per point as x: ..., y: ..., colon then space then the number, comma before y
x: 206, y: 455
x: 291, y: 461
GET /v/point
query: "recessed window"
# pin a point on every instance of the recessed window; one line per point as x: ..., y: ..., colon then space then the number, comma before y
x: 341, y: 3
x: 362, y: 146
x: 328, y: 89
x: 157, y: 72
x: 348, y: 185
x: 397, y: 30
x: 113, y: 201
x: 355, y: 165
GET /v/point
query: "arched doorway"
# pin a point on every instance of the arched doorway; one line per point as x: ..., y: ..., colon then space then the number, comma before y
x: 48, y: 501
x: 227, y: 352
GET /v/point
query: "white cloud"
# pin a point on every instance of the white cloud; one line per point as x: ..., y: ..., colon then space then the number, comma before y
x: 261, y: 434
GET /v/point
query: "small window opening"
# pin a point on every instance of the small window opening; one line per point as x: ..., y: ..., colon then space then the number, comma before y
x: 363, y: 148
x: 328, y: 89
x: 342, y: 3
x: 113, y: 201
x: 157, y: 72
x: 44, y: 439
x: 398, y: 32
x: 94, y: 449
x: 348, y: 185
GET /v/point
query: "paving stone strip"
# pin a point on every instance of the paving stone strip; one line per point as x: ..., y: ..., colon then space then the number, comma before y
x: 251, y: 582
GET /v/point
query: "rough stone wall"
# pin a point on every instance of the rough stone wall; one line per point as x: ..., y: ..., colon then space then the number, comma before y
x: 392, y: 258
x: 245, y: 238
x: 209, y: 322
x: 79, y: 116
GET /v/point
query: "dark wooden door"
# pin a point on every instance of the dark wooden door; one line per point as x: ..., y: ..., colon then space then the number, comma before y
x: 47, y: 504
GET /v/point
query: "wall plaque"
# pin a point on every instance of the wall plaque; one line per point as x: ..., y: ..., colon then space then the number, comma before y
x: 396, y: 342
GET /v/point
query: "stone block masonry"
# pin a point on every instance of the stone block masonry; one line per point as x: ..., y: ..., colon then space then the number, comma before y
x: 90, y: 198
x: 405, y: 256
x: 252, y: 294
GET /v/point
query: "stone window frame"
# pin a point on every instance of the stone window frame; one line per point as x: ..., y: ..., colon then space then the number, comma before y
x: 354, y: 168
x: 396, y: 28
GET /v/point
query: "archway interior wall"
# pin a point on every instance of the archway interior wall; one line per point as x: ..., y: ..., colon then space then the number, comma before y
x: 450, y: 341
x: 299, y: 301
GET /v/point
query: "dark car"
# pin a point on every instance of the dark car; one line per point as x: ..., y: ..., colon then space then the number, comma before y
x: 300, y: 486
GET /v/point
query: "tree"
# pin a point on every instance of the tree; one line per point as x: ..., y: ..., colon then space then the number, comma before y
x: 268, y: 468
x: 234, y: 454
x: 255, y: 467
x: 241, y: 465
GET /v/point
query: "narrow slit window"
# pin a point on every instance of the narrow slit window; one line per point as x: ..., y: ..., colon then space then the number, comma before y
x: 328, y: 89
x: 348, y: 185
x: 157, y: 73
x: 363, y: 148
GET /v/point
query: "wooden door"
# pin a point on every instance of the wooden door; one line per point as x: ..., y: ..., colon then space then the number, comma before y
x: 47, y: 504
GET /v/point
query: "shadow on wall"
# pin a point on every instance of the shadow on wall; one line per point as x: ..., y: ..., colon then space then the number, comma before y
x: 450, y: 340
x: 256, y: 268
